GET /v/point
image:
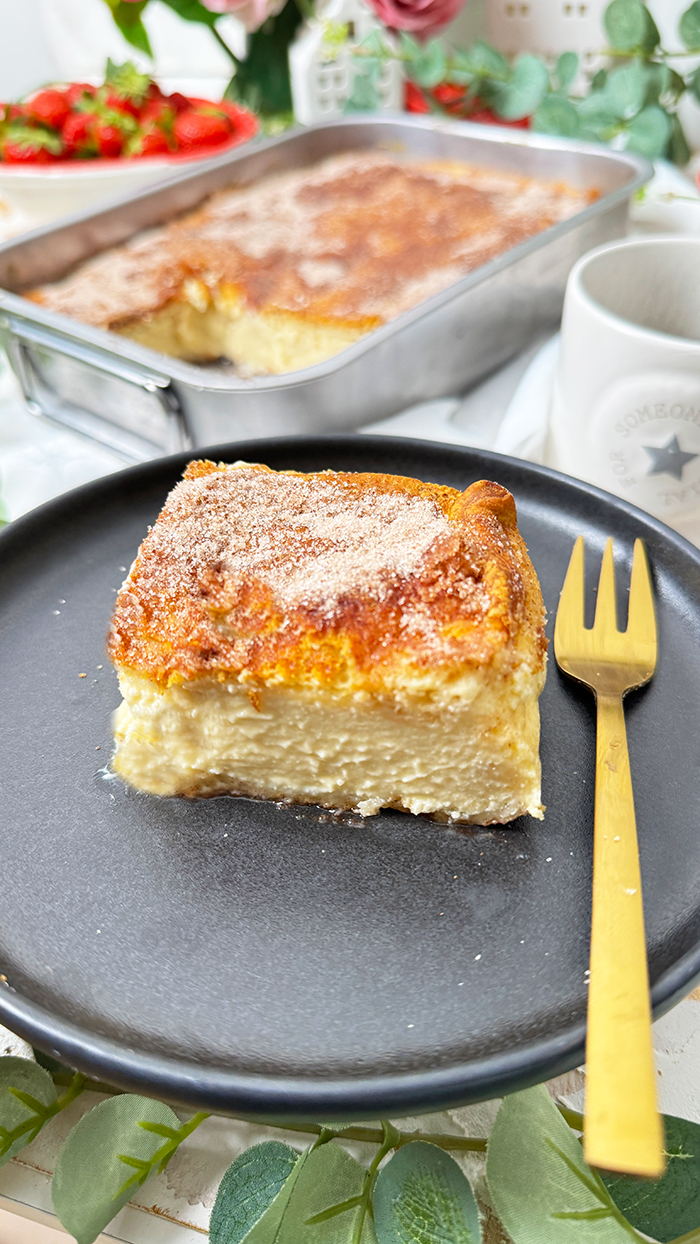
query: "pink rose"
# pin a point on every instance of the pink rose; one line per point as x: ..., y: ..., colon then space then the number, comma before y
x: 251, y: 12
x: 421, y: 17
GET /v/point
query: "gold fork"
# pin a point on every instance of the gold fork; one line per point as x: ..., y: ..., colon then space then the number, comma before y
x: 622, y: 1126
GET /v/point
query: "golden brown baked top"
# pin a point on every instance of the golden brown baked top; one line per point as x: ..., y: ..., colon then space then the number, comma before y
x: 371, y: 583
x: 359, y: 238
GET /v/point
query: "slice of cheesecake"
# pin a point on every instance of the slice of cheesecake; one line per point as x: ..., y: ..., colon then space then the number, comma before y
x: 353, y: 640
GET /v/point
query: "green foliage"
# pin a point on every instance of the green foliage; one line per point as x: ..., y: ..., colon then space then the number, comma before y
x: 523, y: 94
x: 541, y: 1188
x: 248, y: 1189
x: 26, y: 1094
x: 671, y: 1206
x: 648, y: 133
x: 630, y: 26
x: 193, y: 11
x: 364, y: 96
x: 430, y: 64
x: 689, y: 26
x: 89, y: 1185
x: 557, y: 116
x: 323, y: 1179
x: 566, y: 70
x: 127, y: 17
x: 422, y: 1197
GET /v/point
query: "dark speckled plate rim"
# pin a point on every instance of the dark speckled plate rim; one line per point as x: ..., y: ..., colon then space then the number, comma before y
x: 227, y: 1091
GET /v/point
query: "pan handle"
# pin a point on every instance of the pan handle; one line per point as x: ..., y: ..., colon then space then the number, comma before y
x: 134, y: 411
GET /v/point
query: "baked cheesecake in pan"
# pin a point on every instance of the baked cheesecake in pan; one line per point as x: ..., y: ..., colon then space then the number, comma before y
x: 290, y: 270
x: 352, y: 640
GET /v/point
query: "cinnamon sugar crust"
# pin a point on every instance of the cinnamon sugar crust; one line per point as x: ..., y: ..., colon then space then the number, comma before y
x: 364, y: 582
x: 354, y: 241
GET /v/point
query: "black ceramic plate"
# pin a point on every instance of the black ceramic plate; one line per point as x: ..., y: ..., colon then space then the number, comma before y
x: 249, y: 957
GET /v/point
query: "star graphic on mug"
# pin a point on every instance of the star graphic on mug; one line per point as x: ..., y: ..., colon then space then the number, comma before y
x: 668, y: 458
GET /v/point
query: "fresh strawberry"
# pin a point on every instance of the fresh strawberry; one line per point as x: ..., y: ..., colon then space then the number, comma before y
x: 108, y: 138
x: 447, y: 94
x: 151, y: 142
x: 486, y: 117
x: 24, y: 145
x: 243, y: 123
x: 157, y: 112
x: 125, y: 87
x: 414, y: 98
x: 77, y: 91
x: 196, y: 128
x: 121, y: 102
x: 76, y: 135
x: 180, y: 103
x: 50, y: 107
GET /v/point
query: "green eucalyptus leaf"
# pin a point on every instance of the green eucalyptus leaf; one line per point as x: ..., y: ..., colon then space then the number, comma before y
x: 25, y: 1077
x: 193, y: 11
x: 461, y: 68
x: 431, y: 66
x: 248, y: 1189
x: 321, y: 1179
x: 541, y: 1188
x: 566, y: 69
x: 670, y: 1206
x: 557, y: 116
x: 364, y: 96
x: 422, y: 1197
x: 689, y: 26
x: 527, y: 88
x: 597, y: 110
x: 630, y: 27
x: 485, y: 62
x: 678, y: 150
x: 648, y: 133
x: 626, y: 89
x: 694, y: 84
x: 127, y: 18
x: 599, y: 80
x: 90, y: 1175
x: 409, y: 47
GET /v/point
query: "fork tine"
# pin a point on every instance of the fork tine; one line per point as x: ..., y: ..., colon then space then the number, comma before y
x: 641, y: 624
x: 569, y: 623
x: 606, y: 609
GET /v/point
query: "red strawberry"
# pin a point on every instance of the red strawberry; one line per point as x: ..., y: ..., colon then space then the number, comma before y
x: 23, y: 145
x: 108, y: 139
x: 76, y: 91
x: 243, y: 123
x: 177, y: 101
x: 50, y: 107
x: 415, y: 100
x: 76, y: 135
x: 157, y: 112
x: 486, y: 117
x: 151, y: 142
x: 114, y: 100
x: 194, y: 129
x: 448, y: 94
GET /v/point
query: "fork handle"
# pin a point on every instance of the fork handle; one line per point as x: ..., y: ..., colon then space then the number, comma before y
x: 622, y: 1129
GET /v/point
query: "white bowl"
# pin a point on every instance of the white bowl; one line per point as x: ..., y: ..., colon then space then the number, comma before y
x: 37, y: 193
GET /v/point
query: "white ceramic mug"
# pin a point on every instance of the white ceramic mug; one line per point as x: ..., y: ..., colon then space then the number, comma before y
x: 626, y: 402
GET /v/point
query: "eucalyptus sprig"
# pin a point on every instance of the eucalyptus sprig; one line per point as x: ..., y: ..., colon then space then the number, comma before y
x: 634, y: 103
x: 411, y: 1192
x: 145, y: 1167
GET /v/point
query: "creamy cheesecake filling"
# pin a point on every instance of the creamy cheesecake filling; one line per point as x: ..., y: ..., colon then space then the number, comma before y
x: 470, y: 759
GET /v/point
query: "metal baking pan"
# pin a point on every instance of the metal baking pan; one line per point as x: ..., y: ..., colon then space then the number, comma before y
x: 143, y: 403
